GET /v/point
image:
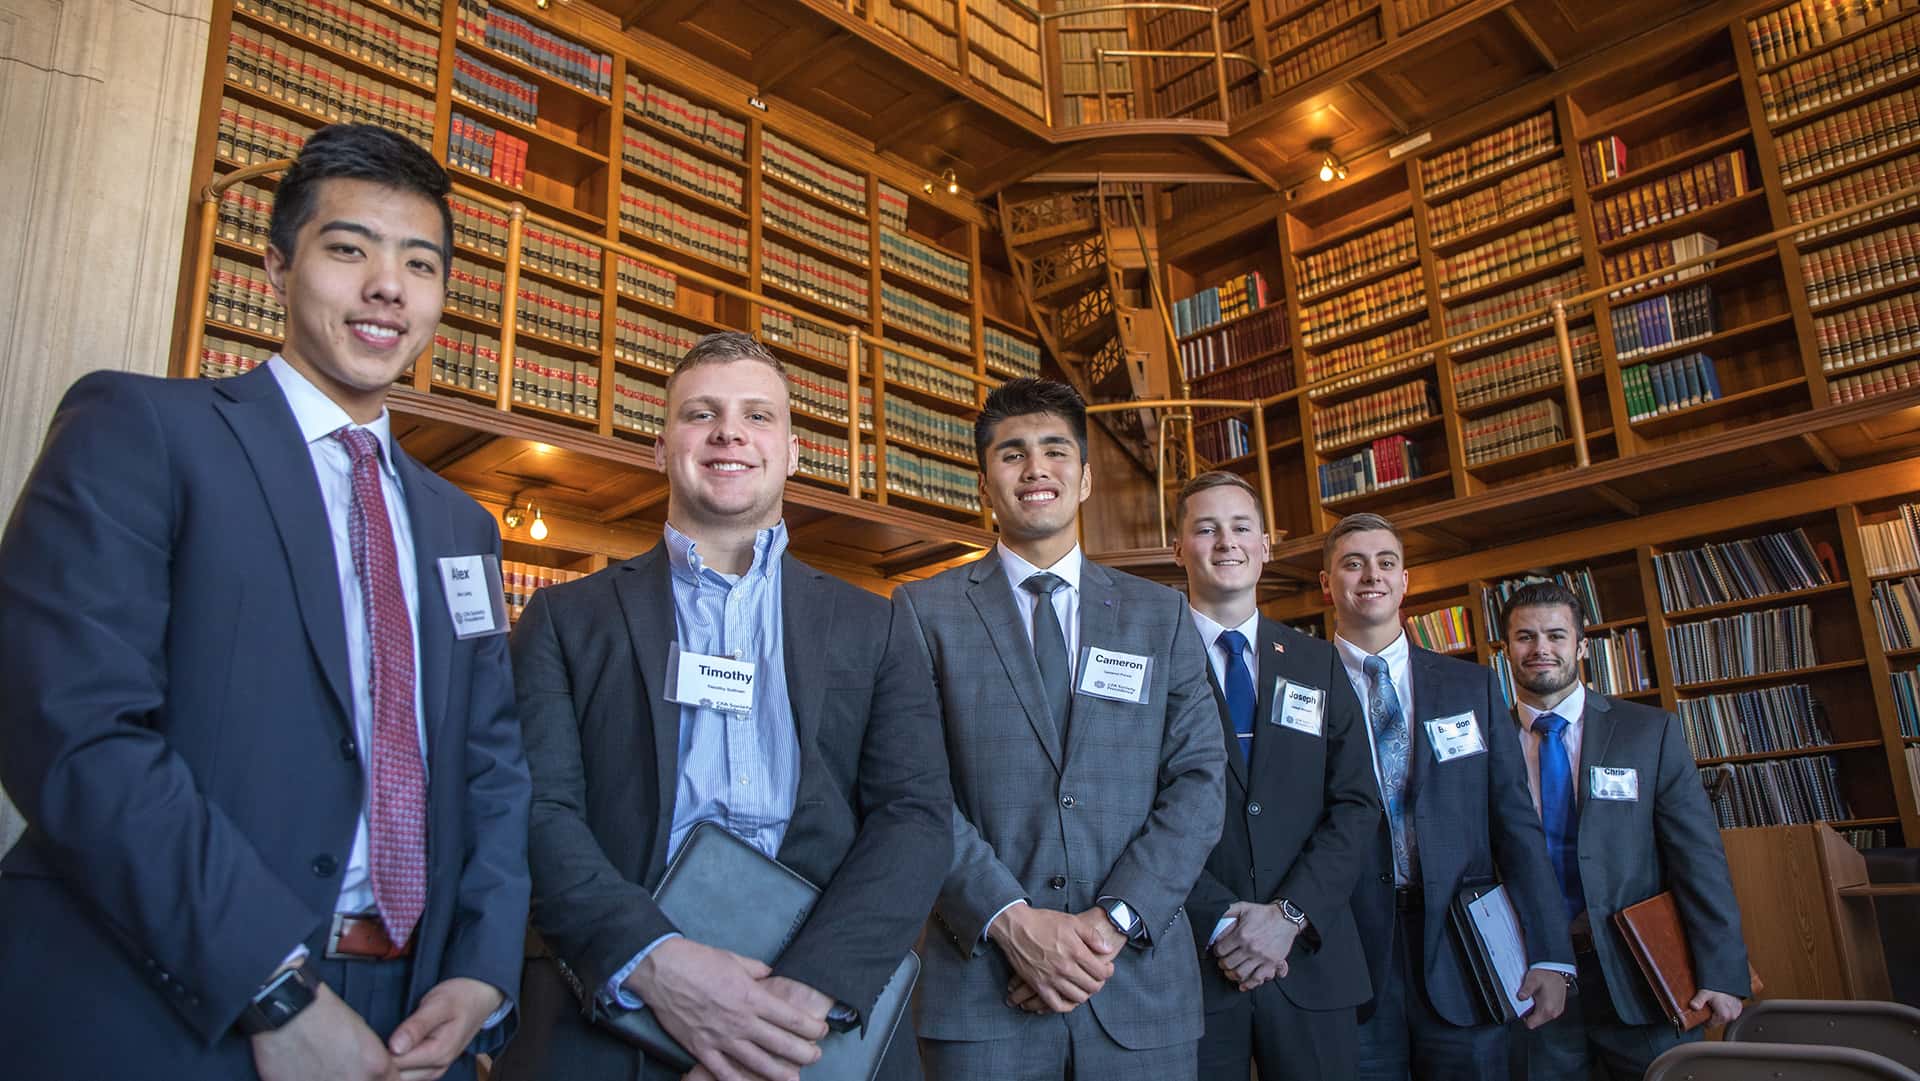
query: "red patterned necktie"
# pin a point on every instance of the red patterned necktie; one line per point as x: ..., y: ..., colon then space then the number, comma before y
x: 397, y: 815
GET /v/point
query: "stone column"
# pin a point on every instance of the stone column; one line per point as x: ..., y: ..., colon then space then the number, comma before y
x: 98, y: 105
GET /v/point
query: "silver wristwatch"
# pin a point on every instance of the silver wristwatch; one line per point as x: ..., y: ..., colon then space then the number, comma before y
x: 1292, y: 912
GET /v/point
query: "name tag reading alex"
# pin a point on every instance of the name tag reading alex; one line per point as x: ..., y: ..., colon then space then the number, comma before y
x: 1456, y: 737
x: 1117, y: 676
x: 1616, y: 783
x: 710, y: 682
x: 1299, y: 707
x: 475, y: 602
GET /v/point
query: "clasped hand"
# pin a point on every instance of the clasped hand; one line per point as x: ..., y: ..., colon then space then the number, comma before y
x: 1254, y: 950
x: 738, y: 1020
x: 330, y: 1042
x: 1059, y: 960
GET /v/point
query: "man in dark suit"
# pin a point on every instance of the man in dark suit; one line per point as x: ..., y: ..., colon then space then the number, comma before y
x: 1456, y: 814
x: 1086, y: 761
x: 1271, y: 909
x: 276, y: 804
x: 1626, y: 817
x: 835, y: 769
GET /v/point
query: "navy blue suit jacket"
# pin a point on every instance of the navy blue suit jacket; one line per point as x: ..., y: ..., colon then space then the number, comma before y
x: 177, y: 732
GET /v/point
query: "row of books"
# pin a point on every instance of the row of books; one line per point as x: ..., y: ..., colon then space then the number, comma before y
x: 815, y: 279
x: 644, y: 281
x: 1896, y: 611
x: 494, y: 90
x: 1743, y: 644
x: 935, y: 38
x: 1527, y: 426
x: 664, y: 220
x: 891, y: 205
x: 1297, y: 30
x: 700, y: 123
x: 1658, y: 255
x: 1409, y: 14
x: 1784, y: 33
x: 1259, y: 335
x: 1354, y: 310
x: 478, y: 227
x: 1009, y: 354
x: 1854, y: 67
x: 1864, y: 334
x: 467, y: 359
x: 1166, y: 29
x: 513, y: 36
x: 1603, y: 159
x: 557, y: 384
x: 1360, y: 357
x: 1530, y: 297
x: 824, y: 396
x: 244, y: 214
x: 1741, y: 569
x: 308, y: 81
x: 485, y: 151
x: 901, y: 308
x: 802, y: 168
x: 1231, y: 299
x: 1384, y: 463
x: 906, y: 371
x: 1443, y: 630
x: 930, y: 428
x: 824, y: 457
x: 221, y: 358
x: 1906, y: 706
x: 1010, y: 34
x: 1223, y: 440
x: 639, y: 405
x: 650, y: 342
x: 1782, y: 792
x: 559, y: 254
x: 362, y: 31
x: 838, y: 233
x: 1865, y: 264
x: 1520, y: 252
x: 1687, y: 191
x: 1493, y: 599
x: 682, y: 168
x: 1763, y: 721
x: 1894, y: 377
x: 1327, y: 53
x: 818, y: 340
x: 1372, y: 251
x: 249, y: 135
x: 1087, y: 110
x: 1014, y: 88
x: 1522, y: 193
x: 1197, y: 93
x: 924, y: 262
x: 919, y: 477
x: 559, y: 315
x: 1522, y: 140
x: 239, y: 295
x: 1648, y: 326
x: 1374, y: 414
x: 1852, y: 189
x: 1520, y: 368
x: 427, y: 11
x: 1617, y: 662
x: 1668, y: 386
x: 1838, y: 140
x: 1079, y: 74
x: 1893, y: 546
x: 1247, y: 382
x: 476, y: 291
x: 520, y: 581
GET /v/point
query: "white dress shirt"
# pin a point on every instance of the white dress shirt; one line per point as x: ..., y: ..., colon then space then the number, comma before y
x: 1066, y: 602
x: 1217, y: 657
x: 1399, y: 669
x: 1572, y: 709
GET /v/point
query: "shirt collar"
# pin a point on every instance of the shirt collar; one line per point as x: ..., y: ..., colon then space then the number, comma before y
x: 318, y: 416
x: 1396, y: 654
x: 1210, y: 631
x: 683, y: 553
x: 1572, y: 709
x: 1019, y: 570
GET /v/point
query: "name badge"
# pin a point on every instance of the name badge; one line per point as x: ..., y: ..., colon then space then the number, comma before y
x: 1456, y: 737
x: 709, y: 682
x: 475, y: 602
x: 1299, y: 707
x: 1616, y: 783
x: 1113, y: 675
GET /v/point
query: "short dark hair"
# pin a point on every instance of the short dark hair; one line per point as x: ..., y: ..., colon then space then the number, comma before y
x: 1355, y: 523
x: 1025, y: 397
x: 1208, y: 481
x: 1543, y: 595
x: 722, y: 346
x: 358, y: 152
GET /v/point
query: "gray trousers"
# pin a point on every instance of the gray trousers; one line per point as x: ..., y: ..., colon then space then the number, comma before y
x: 1063, y: 1047
x: 1589, y: 1040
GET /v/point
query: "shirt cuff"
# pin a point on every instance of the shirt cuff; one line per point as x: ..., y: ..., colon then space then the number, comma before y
x: 614, y: 992
x: 297, y: 957
x: 1555, y: 966
x: 1220, y: 927
x: 1003, y: 909
x: 493, y: 1020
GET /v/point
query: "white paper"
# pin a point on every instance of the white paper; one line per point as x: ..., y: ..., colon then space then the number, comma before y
x: 1499, y: 928
x: 1109, y: 673
x: 1300, y: 707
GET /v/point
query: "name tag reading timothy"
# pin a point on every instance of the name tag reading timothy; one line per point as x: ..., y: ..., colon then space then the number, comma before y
x: 710, y: 682
x: 1113, y: 675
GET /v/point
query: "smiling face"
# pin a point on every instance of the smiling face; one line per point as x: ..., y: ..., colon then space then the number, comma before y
x: 1221, y: 545
x: 1546, y: 647
x: 728, y: 447
x: 363, y: 290
x: 1367, y: 577
x: 1034, y: 479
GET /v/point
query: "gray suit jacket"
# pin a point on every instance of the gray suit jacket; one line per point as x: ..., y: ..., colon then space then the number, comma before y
x: 1127, y: 808
x: 1668, y: 839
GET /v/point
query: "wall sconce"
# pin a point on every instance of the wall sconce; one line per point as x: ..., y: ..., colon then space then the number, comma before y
x: 514, y: 516
x: 1331, y: 167
x: 948, y: 179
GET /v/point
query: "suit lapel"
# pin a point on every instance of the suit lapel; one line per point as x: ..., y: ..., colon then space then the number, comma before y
x: 1099, y: 626
x: 1236, y: 767
x: 992, y: 598
x: 1596, y: 736
x: 1424, y: 683
x: 1268, y: 666
x: 432, y: 527
x: 645, y: 587
x: 254, y: 408
x: 802, y: 598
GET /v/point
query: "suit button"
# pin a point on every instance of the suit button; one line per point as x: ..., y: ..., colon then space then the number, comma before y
x: 324, y: 866
x: 1067, y: 802
x: 1253, y: 808
x: 1386, y: 879
x: 1057, y: 882
x: 347, y: 749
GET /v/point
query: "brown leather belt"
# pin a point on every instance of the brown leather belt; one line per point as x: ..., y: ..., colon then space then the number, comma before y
x: 363, y: 938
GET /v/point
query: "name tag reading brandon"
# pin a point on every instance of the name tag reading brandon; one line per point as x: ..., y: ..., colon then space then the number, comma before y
x: 709, y: 682
x: 1616, y: 783
x: 1117, y: 676
x: 1299, y: 707
x: 1455, y: 737
x: 475, y: 602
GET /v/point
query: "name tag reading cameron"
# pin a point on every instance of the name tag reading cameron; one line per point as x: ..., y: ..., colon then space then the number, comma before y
x: 1456, y: 737
x: 1111, y: 674
x: 475, y: 602
x: 709, y: 682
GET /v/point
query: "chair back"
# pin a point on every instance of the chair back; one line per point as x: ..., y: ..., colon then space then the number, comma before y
x: 1888, y: 1029
x: 1774, y: 1062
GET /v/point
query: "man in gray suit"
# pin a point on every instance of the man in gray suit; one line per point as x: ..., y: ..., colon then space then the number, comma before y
x: 1626, y: 817
x: 1086, y: 754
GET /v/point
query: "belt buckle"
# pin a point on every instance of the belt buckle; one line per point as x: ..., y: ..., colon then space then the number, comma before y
x: 333, y: 937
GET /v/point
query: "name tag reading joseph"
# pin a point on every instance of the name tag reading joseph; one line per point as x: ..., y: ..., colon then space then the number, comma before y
x: 1616, y: 783
x: 1113, y: 675
x: 1456, y: 737
x: 1299, y: 707
x: 475, y: 603
x: 709, y: 682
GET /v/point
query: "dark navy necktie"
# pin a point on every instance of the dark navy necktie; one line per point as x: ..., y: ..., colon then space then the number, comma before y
x: 1240, y: 694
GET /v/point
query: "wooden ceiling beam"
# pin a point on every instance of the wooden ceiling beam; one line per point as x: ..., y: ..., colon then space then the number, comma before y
x: 643, y: 501
x: 457, y: 453
x: 1532, y: 37
x: 1821, y: 452
x: 1240, y: 161
x: 1615, y: 496
x: 1372, y: 97
x: 920, y: 121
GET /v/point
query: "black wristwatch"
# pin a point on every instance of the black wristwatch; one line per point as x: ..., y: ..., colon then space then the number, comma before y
x: 279, y: 1002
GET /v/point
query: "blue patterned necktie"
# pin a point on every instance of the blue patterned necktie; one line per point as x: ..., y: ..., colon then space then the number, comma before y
x: 1557, y: 813
x: 1240, y: 694
x: 1391, y: 750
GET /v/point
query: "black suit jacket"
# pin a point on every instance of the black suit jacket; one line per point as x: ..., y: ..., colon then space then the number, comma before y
x: 177, y: 732
x: 1473, y: 821
x: 1300, y: 820
x: 871, y: 822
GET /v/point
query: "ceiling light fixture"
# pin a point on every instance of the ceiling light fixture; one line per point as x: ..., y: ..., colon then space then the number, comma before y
x: 947, y: 180
x: 1331, y: 167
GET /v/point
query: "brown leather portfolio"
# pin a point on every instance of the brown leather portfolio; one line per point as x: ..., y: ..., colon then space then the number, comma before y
x: 1658, y: 943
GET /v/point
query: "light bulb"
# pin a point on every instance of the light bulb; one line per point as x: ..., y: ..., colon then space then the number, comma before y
x: 1326, y: 171
x: 538, y: 530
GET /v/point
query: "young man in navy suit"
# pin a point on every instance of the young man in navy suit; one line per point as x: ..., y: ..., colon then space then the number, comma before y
x: 259, y: 718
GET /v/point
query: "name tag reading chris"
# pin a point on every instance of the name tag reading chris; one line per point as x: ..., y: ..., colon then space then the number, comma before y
x: 475, y: 603
x: 1117, y: 676
x: 1616, y: 783
x: 709, y: 682
x: 1456, y: 737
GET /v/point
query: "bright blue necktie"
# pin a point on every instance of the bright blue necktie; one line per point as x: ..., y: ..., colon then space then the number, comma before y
x: 1392, y: 751
x: 1240, y: 694
x: 1557, y: 813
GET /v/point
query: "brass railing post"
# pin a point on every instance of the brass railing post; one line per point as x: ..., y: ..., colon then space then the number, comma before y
x: 1266, y: 470
x: 202, y: 272
x: 510, y: 302
x: 1220, y: 66
x: 1576, y: 420
x: 853, y: 414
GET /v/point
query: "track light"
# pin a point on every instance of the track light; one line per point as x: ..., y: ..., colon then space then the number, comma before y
x: 1331, y: 167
